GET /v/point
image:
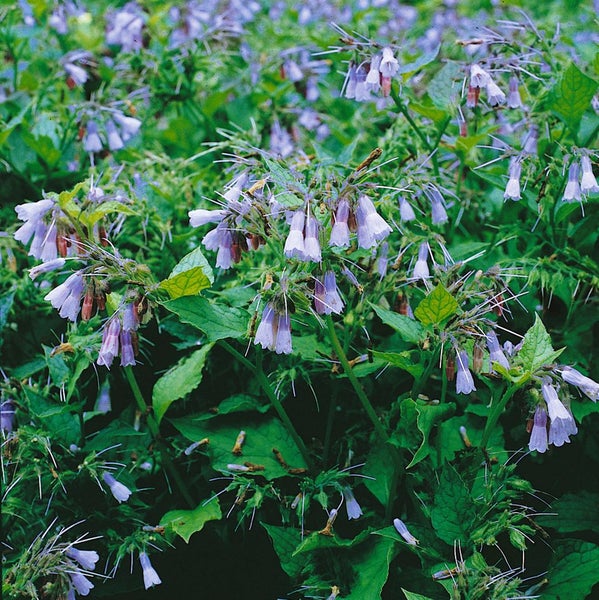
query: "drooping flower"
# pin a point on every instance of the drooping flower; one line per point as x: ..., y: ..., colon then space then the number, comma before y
x: 531, y: 141
x: 513, y: 97
x: 125, y: 28
x: 464, y: 381
x: 340, y: 230
x: 406, y: 212
x: 311, y: 243
x: 421, y: 267
x: 361, y: 91
x: 294, y: 244
x: 584, y: 384
x: 372, y: 228
x: 86, y: 558
x: 562, y: 422
x: 110, y: 342
x: 81, y: 583
x: 7, y: 416
x: 150, y: 575
x: 92, y: 141
x: 115, y: 141
x: 46, y: 267
x: 401, y: 528
x: 495, y: 95
x: 127, y: 348
x: 512, y: 189
x: 438, y: 212
x: 478, y: 76
x: 119, y: 490
x: 201, y: 216
x: 538, y: 435
x: 283, y: 335
x: 373, y: 79
x: 103, y: 403
x: 572, y: 192
x: 496, y: 354
x: 354, y: 510
x: 66, y: 298
x: 265, y: 334
x: 382, y: 261
x: 588, y: 182
x: 389, y: 65
x: 332, y: 299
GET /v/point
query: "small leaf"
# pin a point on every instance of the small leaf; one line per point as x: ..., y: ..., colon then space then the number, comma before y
x: 409, y: 329
x: 402, y: 360
x: 414, y: 596
x: 445, y: 87
x: 428, y: 416
x: 452, y: 513
x: 421, y: 61
x: 234, y: 404
x: 574, y: 570
x: 187, y: 522
x: 317, y: 541
x: 438, y: 306
x: 537, y: 350
x: 189, y: 277
x: 571, y: 96
x: 216, y: 321
x: 181, y: 379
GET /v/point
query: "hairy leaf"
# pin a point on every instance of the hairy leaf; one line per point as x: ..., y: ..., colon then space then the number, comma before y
x: 536, y: 348
x: 438, y: 306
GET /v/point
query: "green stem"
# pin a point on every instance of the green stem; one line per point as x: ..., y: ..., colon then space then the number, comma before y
x: 155, y: 432
x: 419, y: 383
x: 347, y: 369
x: 274, y: 400
x: 497, y: 409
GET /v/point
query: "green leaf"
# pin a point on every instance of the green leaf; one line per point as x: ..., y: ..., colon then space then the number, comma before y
x: 452, y: 513
x: 6, y: 302
x: 262, y: 435
x: 445, y: 87
x: 409, y: 329
x: 189, y: 277
x: 106, y: 208
x: 187, y: 522
x: 402, y: 360
x: 574, y: 570
x: 425, y: 59
x: 575, y: 512
x: 216, y: 321
x: 428, y: 416
x: 318, y: 541
x: 381, y: 469
x: 57, y: 419
x: 234, y: 404
x: 414, y: 596
x: 371, y: 566
x: 181, y: 379
x: 571, y: 96
x: 537, y: 350
x: 438, y: 306
x: 285, y: 540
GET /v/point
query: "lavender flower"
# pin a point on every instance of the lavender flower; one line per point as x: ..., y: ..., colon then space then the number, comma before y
x: 421, y: 267
x: 81, y: 583
x: 572, y: 192
x: 531, y: 140
x: 265, y: 335
x: 283, y: 336
x: 201, y: 216
x: 129, y: 126
x: 150, y: 576
x: 110, y: 342
x: 389, y: 65
x: 383, y: 260
x: 478, y: 76
x: 66, y: 298
x: 496, y: 354
x: 103, y: 403
x: 127, y: 349
x: 464, y: 381
x: 588, y: 182
x: 361, y: 91
x: 125, y: 28
x: 406, y: 212
x: 513, y: 97
x: 494, y: 94
x: 46, y: 267
x: 354, y: 511
x: 584, y: 384
x: 562, y: 423
x: 311, y: 244
x: 115, y: 142
x: 7, y: 416
x: 33, y: 214
x: 340, y: 230
x: 512, y: 189
x: 438, y: 212
x: 373, y: 79
x: 372, y: 228
x: 294, y: 244
x: 401, y: 528
x: 86, y: 558
x: 332, y: 299
x: 538, y: 435
x: 92, y: 141
x: 120, y: 491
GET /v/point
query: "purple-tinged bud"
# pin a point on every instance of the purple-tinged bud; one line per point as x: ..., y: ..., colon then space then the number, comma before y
x: 401, y: 528
x: 149, y: 573
x: 464, y: 381
x: 513, y: 97
x: 588, y: 182
x: 538, y: 435
x: 294, y: 244
x: 572, y: 192
x: 512, y: 189
x: 584, y: 384
x: 120, y: 491
x: 340, y: 229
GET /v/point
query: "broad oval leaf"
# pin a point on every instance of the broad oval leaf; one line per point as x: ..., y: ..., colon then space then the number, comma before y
x: 189, y: 277
x: 409, y: 329
x: 187, y: 522
x: 438, y: 306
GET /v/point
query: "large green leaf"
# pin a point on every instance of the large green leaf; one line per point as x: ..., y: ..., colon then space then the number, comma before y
x: 57, y: 419
x: 233, y: 404
x: 285, y: 540
x: 574, y: 570
x: 409, y: 329
x: 536, y: 348
x: 187, y: 522
x: 438, y: 306
x: 445, y: 87
x: 216, y: 321
x: 380, y: 468
x: 181, y: 379
x: 571, y: 96
x: 318, y: 541
x: 262, y: 436
x: 452, y: 513
x: 428, y: 416
x: 371, y: 566
x: 189, y: 277
x: 414, y: 596
x: 575, y: 512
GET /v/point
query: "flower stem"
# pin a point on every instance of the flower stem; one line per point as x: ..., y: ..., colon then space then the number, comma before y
x: 155, y: 432
x: 266, y: 387
x: 347, y: 369
x: 496, y: 410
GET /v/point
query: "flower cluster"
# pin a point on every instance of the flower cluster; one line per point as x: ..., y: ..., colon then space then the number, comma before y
x: 109, y: 130
x: 479, y: 78
x: 274, y: 330
x: 587, y: 184
x: 371, y: 75
x: 120, y: 335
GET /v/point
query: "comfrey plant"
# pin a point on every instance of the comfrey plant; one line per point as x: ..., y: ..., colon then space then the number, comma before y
x: 327, y: 301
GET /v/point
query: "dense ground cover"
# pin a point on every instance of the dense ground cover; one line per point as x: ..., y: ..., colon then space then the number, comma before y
x: 299, y: 299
